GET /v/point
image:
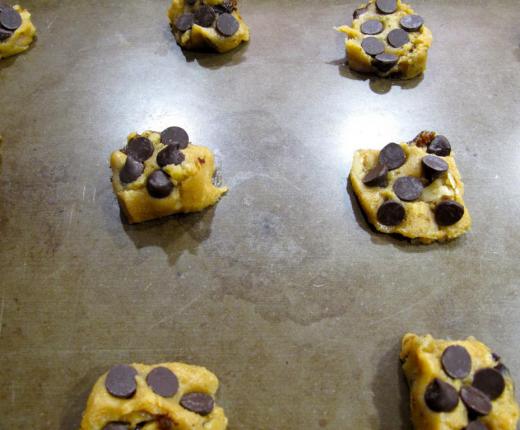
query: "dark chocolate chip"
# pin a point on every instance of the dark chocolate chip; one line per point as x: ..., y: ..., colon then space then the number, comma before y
x: 139, y: 148
x: 490, y: 382
x: 495, y: 356
x: 119, y: 425
x: 159, y: 185
x: 384, y: 62
x: 372, y: 46
x: 433, y: 167
x: 358, y: 12
x: 475, y: 425
x: 165, y: 423
x: 199, y: 403
x: 386, y: 6
x: 398, y: 37
x: 131, y: 170
x: 411, y: 22
x: 170, y: 155
x: 205, y: 16
x: 408, y: 188
x: 392, y: 156
x: 441, y: 396
x: 227, y: 24
x: 475, y: 400
x: 10, y: 19
x: 226, y: 7
x: 391, y: 213
x: 456, y: 361
x: 372, y: 26
x: 448, y: 213
x: 120, y: 381
x: 440, y: 146
x: 175, y: 136
x: 5, y: 34
x: 163, y: 381
x: 377, y: 177
x: 184, y: 22
x: 191, y: 2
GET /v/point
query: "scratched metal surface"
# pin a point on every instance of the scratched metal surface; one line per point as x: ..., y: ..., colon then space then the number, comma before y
x: 282, y: 289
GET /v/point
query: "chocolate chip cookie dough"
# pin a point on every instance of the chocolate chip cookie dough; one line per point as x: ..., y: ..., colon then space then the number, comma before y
x: 388, y: 39
x: 207, y: 24
x: 412, y: 189
x: 166, y: 396
x: 159, y: 174
x: 457, y: 385
x: 16, y: 30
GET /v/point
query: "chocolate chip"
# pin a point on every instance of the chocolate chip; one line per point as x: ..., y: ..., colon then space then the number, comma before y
x: 372, y: 46
x: 377, y: 177
x: 441, y: 396
x: 120, y: 381
x: 175, y: 136
x: 475, y: 425
x: 502, y: 368
x: 139, y: 148
x: 490, y: 382
x: 475, y: 400
x: 392, y: 156
x: 117, y: 425
x: 5, y: 34
x: 131, y: 170
x: 448, y: 213
x: 191, y: 2
x: 398, y: 38
x: 408, y: 188
x: 227, y: 24
x: 159, y: 185
x: 360, y: 11
x: 226, y: 7
x: 199, y: 403
x: 384, y: 62
x: 372, y: 26
x: 165, y: 423
x: 456, y: 361
x: 391, y: 213
x: 184, y: 22
x: 411, y: 22
x: 440, y: 146
x: 424, y: 138
x: 170, y: 155
x: 433, y: 167
x: 10, y: 19
x: 386, y: 6
x: 495, y: 356
x: 205, y: 16
x: 163, y: 381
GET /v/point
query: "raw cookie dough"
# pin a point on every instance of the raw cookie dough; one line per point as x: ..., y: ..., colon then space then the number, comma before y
x: 159, y: 174
x: 16, y: 30
x: 388, y: 39
x: 207, y: 24
x: 412, y: 189
x: 457, y: 385
x: 167, y: 396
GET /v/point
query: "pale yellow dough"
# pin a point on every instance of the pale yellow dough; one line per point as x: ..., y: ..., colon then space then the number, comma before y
x: 146, y: 406
x: 412, y: 56
x: 193, y: 192
x: 198, y: 37
x: 21, y: 38
x: 421, y: 356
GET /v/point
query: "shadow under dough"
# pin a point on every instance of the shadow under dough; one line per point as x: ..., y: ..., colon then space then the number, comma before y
x: 213, y: 60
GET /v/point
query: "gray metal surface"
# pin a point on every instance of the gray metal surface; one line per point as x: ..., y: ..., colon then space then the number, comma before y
x: 282, y: 289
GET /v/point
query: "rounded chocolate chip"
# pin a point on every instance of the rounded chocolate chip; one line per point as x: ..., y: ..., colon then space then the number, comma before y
x: 456, y: 361
x: 411, y: 22
x: 199, y: 403
x: 5, y: 34
x: 475, y: 425
x: 139, y: 148
x: 120, y: 381
x: 159, y: 185
x: 398, y: 37
x: 360, y: 11
x: 490, y: 382
x: 386, y: 6
x: 392, y: 156
x: 391, y: 213
x: 205, y: 16
x: 377, y: 177
x: 448, y: 213
x: 384, y: 62
x: 408, y: 188
x: 372, y: 26
x: 175, y: 136
x: 433, y: 167
x: 372, y: 46
x: 117, y: 425
x: 227, y: 24
x: 163, y: 381
x: 10, y: 19
x: 440, y: 146
x: 475, y: 400
x: 131, y: 170
x: 184, y: 22
x: 170, y: 155
x: 441, y: 396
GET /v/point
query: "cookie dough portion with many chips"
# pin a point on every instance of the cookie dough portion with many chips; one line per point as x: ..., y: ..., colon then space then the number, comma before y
x: 207, y: 24
x: 16, y: 30
x: 388, y: 39
x: 457, y: 385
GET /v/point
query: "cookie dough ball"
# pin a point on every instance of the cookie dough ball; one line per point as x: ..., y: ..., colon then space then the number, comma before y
x: 16, y: 30
x: 207, y: 24
x: 387, y: 38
